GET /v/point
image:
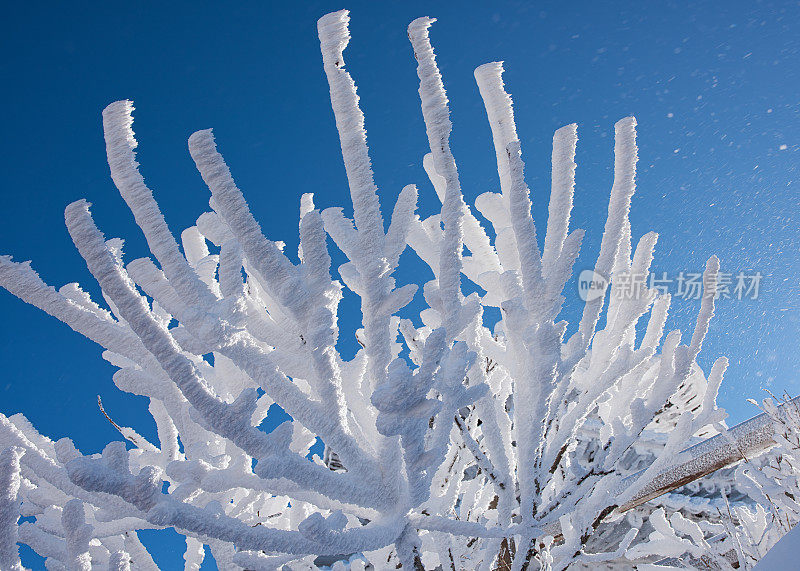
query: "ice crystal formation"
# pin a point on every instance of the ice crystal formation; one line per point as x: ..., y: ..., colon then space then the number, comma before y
x: 449, y: 444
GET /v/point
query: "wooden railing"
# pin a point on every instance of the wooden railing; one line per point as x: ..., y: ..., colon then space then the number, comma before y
x: 743, y: 441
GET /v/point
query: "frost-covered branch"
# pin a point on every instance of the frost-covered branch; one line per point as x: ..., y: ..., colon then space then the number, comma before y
x: 452, y: 440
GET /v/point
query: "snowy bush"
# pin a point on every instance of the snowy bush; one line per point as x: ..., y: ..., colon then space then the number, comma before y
x: 451, y: 441
x: 745, y: 531
x: 773, y: 481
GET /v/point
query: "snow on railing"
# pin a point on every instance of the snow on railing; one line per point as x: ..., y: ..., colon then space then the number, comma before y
x: 742, y: 442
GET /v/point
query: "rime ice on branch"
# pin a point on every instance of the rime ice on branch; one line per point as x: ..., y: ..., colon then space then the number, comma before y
x: 467, y: 454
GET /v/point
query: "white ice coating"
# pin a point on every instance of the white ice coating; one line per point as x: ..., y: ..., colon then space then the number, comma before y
x: 121, y: 561
x: 489, y: 77
x: 448, y: 443
x: 561, y: 194
x: 10, y: 481
x: 625, y: 157
x: 437, y: 122
x: 120, y: 145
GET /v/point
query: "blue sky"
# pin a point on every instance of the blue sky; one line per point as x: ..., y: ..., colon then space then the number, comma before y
x: 714, y: 86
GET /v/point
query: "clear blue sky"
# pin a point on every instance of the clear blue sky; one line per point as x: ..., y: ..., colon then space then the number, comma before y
x: 715, y: 87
